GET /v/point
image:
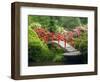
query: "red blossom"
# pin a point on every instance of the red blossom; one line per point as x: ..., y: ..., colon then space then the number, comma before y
x: 51, y: 36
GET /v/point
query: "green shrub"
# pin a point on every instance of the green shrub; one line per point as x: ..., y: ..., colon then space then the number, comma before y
x: 57, y: 52
x: 40, y: 52
x: 37, y: 50
x: 81, y: 44
x: 35, y: 25
x: 59, y: 29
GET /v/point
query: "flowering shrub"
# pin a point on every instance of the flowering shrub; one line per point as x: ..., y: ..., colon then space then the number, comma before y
x: 42, y: 33
x: 46, y: 36
x: 39, y: 51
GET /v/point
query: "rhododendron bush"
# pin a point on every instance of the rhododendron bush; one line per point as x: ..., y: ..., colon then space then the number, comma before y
x: 51, y: 36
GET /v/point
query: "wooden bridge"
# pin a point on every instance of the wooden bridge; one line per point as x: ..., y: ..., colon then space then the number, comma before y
x: 70, y: 51
x: 71, y: 55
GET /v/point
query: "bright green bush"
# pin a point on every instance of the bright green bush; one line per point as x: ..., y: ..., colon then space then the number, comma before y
x: 59, y: 29
x: 35, y: 25
x: 37, y: 50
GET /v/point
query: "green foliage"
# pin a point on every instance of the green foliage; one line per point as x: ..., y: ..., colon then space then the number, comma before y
x: 84, y: 21
x: 69, y: 22
x: 35, y: 25
x: 43, y: 20
x: 59, y: 29
x: 57, y: 52
x: 38, y: 51
x: 81, y: 44
x: 52, y: 22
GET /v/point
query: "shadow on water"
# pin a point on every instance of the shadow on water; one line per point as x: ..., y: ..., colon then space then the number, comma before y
x: 68, y: 60
x: 74, y: 60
